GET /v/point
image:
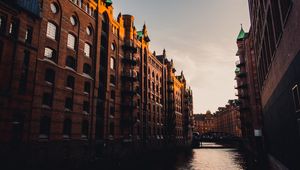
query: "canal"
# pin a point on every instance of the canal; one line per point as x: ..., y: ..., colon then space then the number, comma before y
x: 210, y: 157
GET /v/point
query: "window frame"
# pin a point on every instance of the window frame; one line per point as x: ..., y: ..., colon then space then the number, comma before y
x: 51, y: 31
x: 295, y: 89
x: 71, y: 41
x: 87, y: 50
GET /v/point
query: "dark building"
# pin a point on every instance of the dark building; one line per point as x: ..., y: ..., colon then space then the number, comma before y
x: 76, y: 82
x: 275, y: 32
x: 248, y: 93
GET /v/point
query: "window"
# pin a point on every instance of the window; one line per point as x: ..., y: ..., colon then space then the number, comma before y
x: 17, y: 126
x: 13, y: 26
x: 112, y: 79
x: 88, y: 30
x: 51, y: 30
x: 2, y: 24
x: 50, y: 76
x: 70, y: 82
x: 112, y: 63
x: 113, y: 95
x: 73, y: 20
x: 112, y: 110
x: 54, y: 8
x: 86, y: 107
x: 111, y: 129
x: 28, y: 35
x: 80, y: 3
x: 67, y: 128
x: 1, y: 50
x: 50, y: 54
x: 84, y: 129
x: 24, y: 74
x: 87, y: 87
x: 45, y: 127
x: 87, y: 50
x: 113, y: 47
x: 70, y: 62
x: 71, y: 41
x: 87, y: 69
x: 69, y: 104
x: 296, y: 98
x: 47, y: 99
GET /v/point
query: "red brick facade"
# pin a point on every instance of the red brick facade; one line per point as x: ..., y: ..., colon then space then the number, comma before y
x: 75, y: 79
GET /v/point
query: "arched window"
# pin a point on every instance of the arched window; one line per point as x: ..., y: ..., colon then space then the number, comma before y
x: 70, y: 62
x: 54, y: 8
x: 73, y: 20
x: 71, y: 41
x: 45, y: 127
x: 84, y: 129
x: 51, y: 30
x: 87, y: 69
x: 50, y: 76
x: 87, y: 49
x: 89, y: 30
x: 67, y: 128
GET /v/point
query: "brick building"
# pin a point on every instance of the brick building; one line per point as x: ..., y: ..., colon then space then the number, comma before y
x: 75, y: 81
x: 204, y: 123
x: 248, y: 93
x: 227, y: 119
x: 275, y: 36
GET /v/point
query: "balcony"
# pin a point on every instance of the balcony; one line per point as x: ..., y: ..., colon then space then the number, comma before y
x: 239, y: 63
x: 129, y: 75
x: 170, y: 81
x: 171, y: 89
x: 130, y: 60
x: 130, y: 46
x: 241, y: 86
x: 129, y: 105
x: 241, y: 74
x: 129, y: 92
x: 242, y: 96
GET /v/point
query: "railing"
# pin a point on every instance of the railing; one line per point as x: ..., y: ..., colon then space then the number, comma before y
x: 239, y: 63
x: 130, y: 59
x: 130, y: 46
x: 129, y: 75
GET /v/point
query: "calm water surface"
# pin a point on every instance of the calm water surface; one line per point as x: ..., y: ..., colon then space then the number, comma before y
x: 211, y: 157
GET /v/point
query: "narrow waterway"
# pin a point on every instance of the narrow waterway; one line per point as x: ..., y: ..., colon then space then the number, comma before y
x: 210, y: 157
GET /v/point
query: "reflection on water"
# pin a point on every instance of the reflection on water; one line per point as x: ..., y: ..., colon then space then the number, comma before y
x: 211, y: 157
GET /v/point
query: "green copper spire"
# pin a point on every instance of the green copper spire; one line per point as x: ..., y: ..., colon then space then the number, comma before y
x: 108, y: 2
x: 242, y: 34
x: 140, y: 35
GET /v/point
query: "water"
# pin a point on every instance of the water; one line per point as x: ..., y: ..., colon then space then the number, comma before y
x: 210, y: 157
x: 215, y: 159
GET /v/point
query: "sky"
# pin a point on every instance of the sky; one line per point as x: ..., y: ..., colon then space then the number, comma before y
x: 200, y: 36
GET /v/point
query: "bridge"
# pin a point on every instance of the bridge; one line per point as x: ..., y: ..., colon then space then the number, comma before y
x: 221, y: 140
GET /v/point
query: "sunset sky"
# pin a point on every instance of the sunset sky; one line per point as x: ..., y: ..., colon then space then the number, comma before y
x: 200, y: 36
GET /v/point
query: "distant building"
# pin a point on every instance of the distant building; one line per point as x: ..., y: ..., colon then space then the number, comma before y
x: 204, y: 123
x: 227, y: 119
